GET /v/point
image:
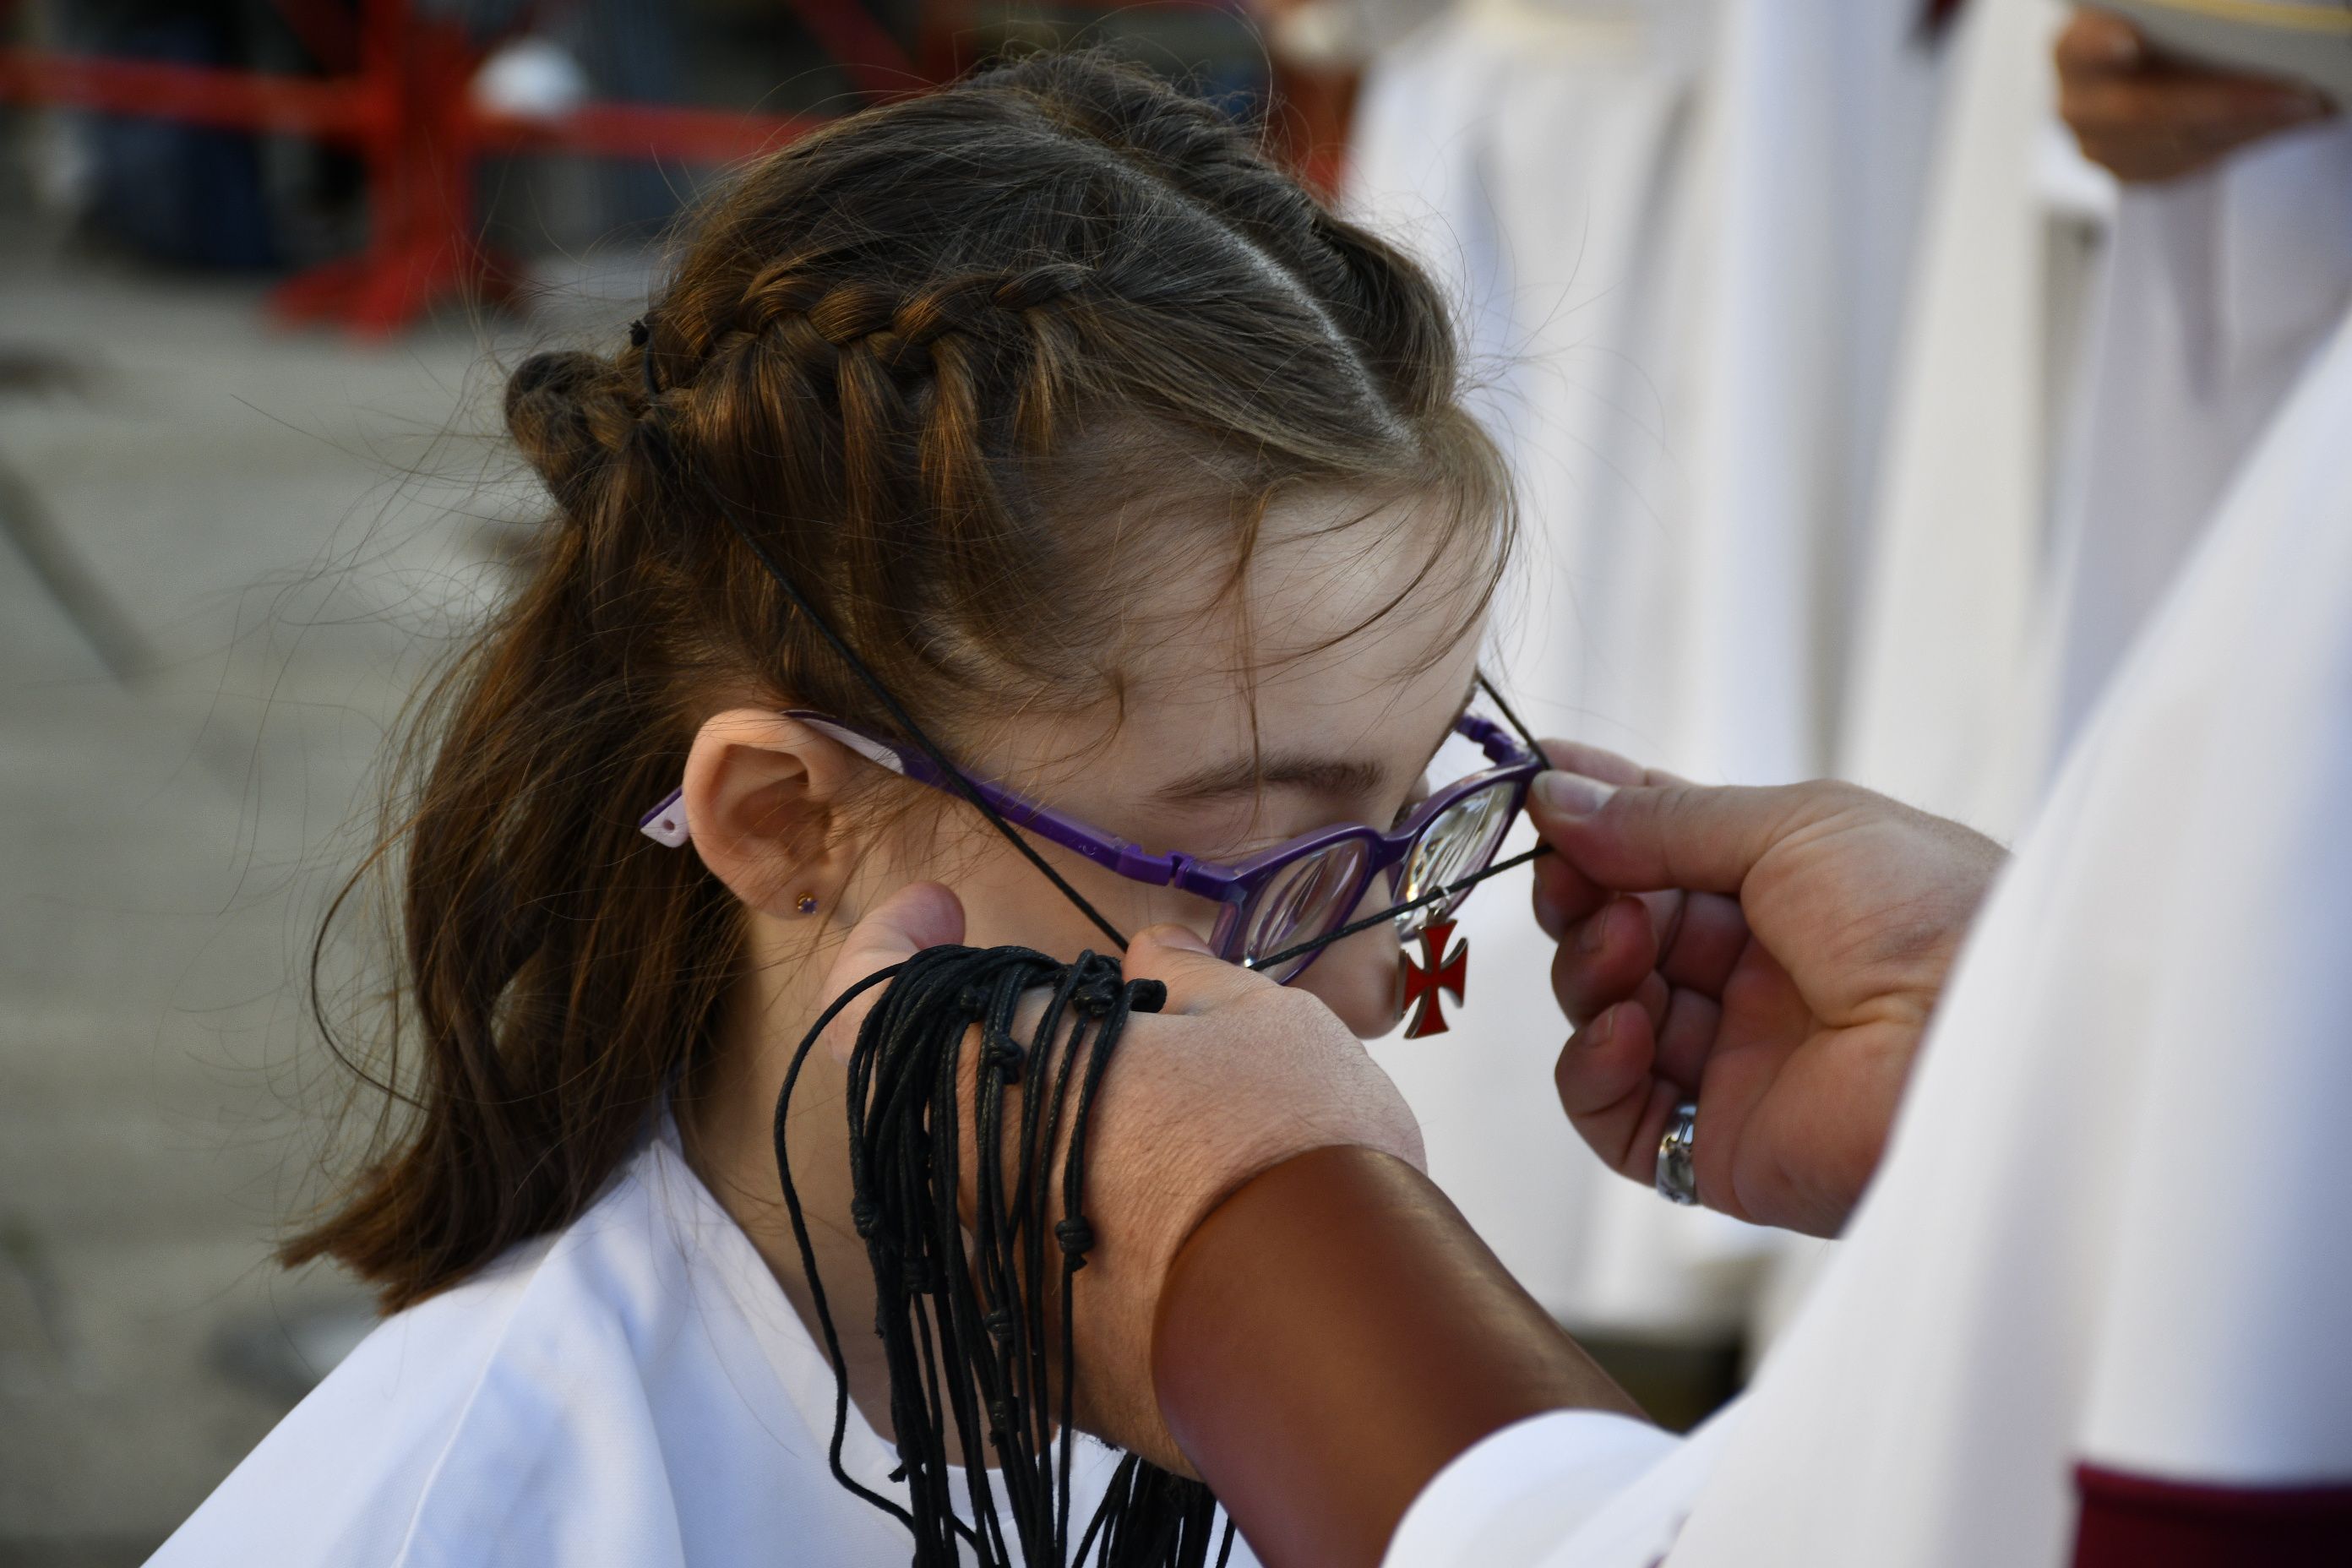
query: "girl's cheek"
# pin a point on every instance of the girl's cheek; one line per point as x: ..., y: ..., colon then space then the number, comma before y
x: 1356, y: 980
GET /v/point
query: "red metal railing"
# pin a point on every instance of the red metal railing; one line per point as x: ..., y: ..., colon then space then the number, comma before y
x: 398, y: 94
x: 405, y: 106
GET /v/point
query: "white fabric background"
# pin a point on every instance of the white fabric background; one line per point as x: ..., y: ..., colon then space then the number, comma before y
x: 1682, y: 231
x: 2110, y: 1223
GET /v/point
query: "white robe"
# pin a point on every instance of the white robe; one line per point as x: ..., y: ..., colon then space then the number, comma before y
x: 2085, y: 368
x: 635, y: 1389
x: 2110, y: 1227
x: 1681, y: 232
x: 1942, y: 700
x: 2217, y: 291
x: 1537, y: 154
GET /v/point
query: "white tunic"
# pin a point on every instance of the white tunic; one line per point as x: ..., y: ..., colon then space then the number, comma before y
x: 2217, y: 289
x: 1681, y: 231
x: 635, y: 1389
x: 2110, y: 1230
x: 1941, y: 697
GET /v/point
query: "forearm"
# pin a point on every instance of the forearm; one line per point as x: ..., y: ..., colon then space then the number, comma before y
x: 1333, y: 1335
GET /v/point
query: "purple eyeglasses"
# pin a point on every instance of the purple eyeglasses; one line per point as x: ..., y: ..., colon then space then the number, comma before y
x: 1276, y: 908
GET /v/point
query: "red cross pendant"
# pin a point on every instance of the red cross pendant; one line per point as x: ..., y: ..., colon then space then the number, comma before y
x: 1418, y: 987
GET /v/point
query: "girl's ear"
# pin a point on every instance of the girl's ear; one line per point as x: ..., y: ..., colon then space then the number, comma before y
x: 762, y: 799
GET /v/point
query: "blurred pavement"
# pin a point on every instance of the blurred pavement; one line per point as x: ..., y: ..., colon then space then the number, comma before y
x: 293, y: 525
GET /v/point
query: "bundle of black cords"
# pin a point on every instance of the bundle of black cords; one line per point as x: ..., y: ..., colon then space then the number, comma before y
x: 962, y: 1305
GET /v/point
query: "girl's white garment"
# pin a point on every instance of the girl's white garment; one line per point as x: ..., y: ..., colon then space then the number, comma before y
x: 635, y: 1389
x: 2110, y: 1227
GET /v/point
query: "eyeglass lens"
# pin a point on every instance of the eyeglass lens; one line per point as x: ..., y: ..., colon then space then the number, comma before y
x: 1318, y: 893
x: 1458, y: 841
x: 1303, y: 900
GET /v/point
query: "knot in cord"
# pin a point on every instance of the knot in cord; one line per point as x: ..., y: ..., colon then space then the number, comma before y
x: 1077, y: 1239
x: 1005, y: 1055
x: 1095, y: 995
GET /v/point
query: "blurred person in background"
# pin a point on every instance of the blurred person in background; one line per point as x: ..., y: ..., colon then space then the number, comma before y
x: 1682, y: 231
x: 2128, y: 258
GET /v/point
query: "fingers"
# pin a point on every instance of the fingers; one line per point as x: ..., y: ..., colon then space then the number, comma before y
x: 1606, y: 1086
x: 2099, y: 41
x: 920, y: 915
x: 1648, y: 837
x: 1197, y: 979
x: 1685, y: 1038
x: 1563, y: 894
x: 2147, y: 119
x: 1593, y: 762
x: 1709, y: 933
x: 1602, y: 960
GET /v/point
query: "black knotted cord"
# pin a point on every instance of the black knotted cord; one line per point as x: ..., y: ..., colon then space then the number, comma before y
x: 960, y: 1307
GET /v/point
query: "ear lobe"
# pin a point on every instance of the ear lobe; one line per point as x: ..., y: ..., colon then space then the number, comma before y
x: 763, y: 795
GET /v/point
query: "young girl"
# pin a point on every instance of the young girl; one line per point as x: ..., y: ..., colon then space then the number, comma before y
x: 1140, y: 483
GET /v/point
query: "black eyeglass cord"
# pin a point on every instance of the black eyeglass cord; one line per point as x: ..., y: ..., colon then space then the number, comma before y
x: 962, y: 1306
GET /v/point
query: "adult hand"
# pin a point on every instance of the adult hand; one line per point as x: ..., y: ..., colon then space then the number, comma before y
x: 2145, y: 118
x: 1233, y: 1076
x: 1779, y: 967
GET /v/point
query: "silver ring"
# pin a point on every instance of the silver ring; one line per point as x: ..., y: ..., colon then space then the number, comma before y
x: 1678, y: 1182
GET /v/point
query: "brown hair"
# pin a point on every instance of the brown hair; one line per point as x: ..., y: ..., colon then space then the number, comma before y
x: 931, y: 349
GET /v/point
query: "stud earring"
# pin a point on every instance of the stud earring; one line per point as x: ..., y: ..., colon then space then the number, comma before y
x: 805, y: 903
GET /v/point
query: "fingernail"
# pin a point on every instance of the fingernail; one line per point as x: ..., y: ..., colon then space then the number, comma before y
x: 1571, y: 794
x: 1603, y: 1027
x: 1182, y: 938
x: 1594, y: 932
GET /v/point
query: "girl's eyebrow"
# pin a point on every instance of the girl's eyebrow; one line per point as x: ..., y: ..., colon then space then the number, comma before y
x: 1245, y: 776
x: 1323, y: 775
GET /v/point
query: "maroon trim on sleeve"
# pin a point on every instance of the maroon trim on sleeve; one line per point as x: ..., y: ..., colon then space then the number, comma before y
x: 2140, y: 1521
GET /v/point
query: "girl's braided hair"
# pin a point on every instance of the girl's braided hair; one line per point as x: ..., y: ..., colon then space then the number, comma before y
x: 975, y: 361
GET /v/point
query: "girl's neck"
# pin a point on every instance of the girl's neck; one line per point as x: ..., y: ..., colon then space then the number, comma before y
x: 726, y: 1122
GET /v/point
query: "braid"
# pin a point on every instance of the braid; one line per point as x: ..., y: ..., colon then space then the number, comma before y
x: 822, y: 319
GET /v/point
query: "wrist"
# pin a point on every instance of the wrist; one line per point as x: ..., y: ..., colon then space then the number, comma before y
x: 1331, y: 1336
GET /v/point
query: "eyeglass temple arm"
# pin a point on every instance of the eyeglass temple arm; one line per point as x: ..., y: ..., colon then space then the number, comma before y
x: 1128, y: 859
x: 668, y: 453
x: 1525, y: 734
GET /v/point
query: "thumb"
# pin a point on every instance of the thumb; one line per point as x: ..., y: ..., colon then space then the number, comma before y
x: 1649, y: 837
x: 1196, y: 978
x: 918, y: 915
